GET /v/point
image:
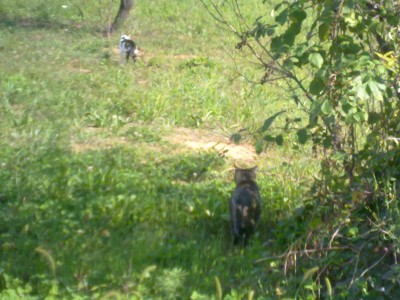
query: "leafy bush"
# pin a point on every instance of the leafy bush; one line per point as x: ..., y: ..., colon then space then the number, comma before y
x: 340, y: 64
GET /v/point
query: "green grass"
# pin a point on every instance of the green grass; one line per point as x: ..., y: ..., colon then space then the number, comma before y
x: 92, y: 195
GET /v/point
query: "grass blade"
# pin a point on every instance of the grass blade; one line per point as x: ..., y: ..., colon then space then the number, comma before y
x: 50, y: 260
x: 218, y: 288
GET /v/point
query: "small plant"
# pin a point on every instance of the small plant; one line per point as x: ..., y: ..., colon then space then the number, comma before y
x: 170, y: 283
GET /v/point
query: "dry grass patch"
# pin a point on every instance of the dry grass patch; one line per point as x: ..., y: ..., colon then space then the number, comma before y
x: 187, y: 139
x: 177, y: 140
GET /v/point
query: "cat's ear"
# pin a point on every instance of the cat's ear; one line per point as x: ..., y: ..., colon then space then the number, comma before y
x: 236, y: 167
x: 254, y: 169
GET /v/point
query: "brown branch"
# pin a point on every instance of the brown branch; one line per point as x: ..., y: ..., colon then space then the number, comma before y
x: 306, y: 251
x: 123, y: 14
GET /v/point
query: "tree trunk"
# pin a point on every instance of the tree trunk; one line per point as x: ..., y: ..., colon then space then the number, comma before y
x: 123, y: 13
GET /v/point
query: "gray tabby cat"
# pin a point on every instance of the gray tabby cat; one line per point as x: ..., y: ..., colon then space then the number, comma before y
x: 245, y: 205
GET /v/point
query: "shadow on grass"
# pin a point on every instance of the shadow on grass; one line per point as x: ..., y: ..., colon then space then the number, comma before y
x: 34, y: 22
x: 102, y: 216
x: 45, y: 23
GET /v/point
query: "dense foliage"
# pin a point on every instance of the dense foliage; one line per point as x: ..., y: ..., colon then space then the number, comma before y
x: 339, y: 62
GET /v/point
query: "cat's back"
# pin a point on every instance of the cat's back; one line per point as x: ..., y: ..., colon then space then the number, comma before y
x: 246, y: 192
x: 246, y: 203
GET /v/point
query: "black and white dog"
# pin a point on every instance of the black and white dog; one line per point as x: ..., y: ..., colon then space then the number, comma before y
x: 127, y: 47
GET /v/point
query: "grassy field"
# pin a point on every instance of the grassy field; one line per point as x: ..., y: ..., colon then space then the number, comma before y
x: 100, y: 197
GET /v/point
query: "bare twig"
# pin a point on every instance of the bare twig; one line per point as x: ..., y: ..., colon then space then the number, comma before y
x: 334, y: 235
x: 218, y: 16
x: 306, y: 251
x: 379, y: 228
x: 368, y: 269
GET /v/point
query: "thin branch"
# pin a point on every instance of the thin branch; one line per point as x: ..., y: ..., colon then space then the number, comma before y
x: 369, y: 269
x: 356, y: 266
x: 334, y: 235
x: 288, y: 74
x: 355, y: 271
x: 271, y: 63
x: 219, y: 18
x: 379, y: 227
x: 306, y: 251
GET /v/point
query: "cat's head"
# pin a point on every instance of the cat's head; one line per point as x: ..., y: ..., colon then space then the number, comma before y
x: 243, y: 175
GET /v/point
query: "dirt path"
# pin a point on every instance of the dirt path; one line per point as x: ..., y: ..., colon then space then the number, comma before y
x: 177, y: 140
x: 194, y: 139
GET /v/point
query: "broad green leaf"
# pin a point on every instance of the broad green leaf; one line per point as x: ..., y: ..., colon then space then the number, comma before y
x: 374, y: 25
x: 317, y: 85
x: 315, y: 110
x: 288, y: 64
x: 328, y: 142
x: 326, y: 107
x: 268, y: 122
x: 375, y: 91
x: 298, y: 15
x: 373, y: 117
x: 316, y: 60
x: 353, y: 231
x: 289, y: 37
x: 381, y: 86
x: 347, y: 106
x: 294, y: 59
x: 323, y: 31
x: 352, y: 21
x: 301, y: 49
x: 393, y: 18
x: 351, y: 48
x: 302, y: 135
x: 362, y: 92
x: 259, y: 146
x: 361, y: 116
x: 279, y: 139
x: 270, y: 30
x: 330, y: 120
x: 269, y: 138
x: 282, y: 17
x: 381, y: 70
x: 276, y: 44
